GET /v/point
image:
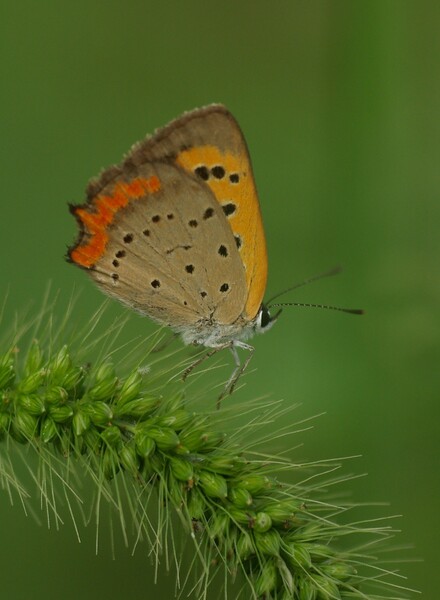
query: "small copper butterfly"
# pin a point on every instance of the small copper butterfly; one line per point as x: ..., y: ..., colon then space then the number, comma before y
x: 175, y: 232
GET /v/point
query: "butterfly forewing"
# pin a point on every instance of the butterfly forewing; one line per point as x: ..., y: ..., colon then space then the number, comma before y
x: 208, y: 142
x: 175, y: 230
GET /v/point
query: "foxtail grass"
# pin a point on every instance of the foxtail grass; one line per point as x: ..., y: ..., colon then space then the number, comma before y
x: 262, y: 525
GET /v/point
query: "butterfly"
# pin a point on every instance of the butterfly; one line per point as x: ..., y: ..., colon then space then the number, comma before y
x: 175, y: 232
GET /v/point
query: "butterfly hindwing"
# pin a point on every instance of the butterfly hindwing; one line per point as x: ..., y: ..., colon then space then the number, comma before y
x: 160, y: 243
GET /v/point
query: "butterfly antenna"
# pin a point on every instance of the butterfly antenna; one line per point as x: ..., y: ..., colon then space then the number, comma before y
x: 329, y: 273
x: 351, y: 311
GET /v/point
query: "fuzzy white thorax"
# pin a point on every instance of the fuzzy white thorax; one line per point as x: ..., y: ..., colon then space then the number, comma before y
x: 212, y: 334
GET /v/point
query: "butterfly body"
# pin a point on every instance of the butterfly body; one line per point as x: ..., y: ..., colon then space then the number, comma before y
x: 175, y: 232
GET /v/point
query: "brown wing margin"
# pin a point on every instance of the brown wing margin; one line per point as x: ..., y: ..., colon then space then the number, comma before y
x: 155, y: 148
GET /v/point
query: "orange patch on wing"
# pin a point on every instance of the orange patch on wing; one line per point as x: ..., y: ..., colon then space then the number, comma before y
x: 246, y: 221
x: 105, y: 206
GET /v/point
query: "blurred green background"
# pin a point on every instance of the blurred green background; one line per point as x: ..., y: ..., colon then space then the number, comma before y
x: 340, y: 105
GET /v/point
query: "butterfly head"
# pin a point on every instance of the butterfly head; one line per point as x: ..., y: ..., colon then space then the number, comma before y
x: 264, y: 320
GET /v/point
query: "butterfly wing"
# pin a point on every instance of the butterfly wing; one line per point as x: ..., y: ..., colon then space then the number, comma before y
x: 155, y: 237
x: 209, y: 144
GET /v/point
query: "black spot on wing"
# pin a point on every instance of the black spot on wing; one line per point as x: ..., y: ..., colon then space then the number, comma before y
x: 229, y: 208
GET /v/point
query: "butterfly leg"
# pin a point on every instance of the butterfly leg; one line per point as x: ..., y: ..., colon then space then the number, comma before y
x: 197, y: 362
x: 239, y: 368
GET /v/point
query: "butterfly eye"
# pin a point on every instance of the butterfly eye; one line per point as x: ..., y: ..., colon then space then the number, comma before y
x: 265, y: 318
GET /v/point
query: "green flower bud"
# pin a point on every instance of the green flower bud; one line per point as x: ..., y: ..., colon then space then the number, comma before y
x: 262, y: 522
x: 255, y: 483
x: 266, y: 582
x: 137, y: 408
x: 245, y: 545
x: 81, y: 422
x: 282, y: 512
x: 92, y: 439
x: 34, y: 359
x: 176, y: 492
x: 181, y: 469
x: 33, y: 404
x: 177, y: 420
x: 192, y: 439
x: 129, y: 459
x: 240, y: 497
x: 104, y: 372
x: 55, y: 395
x: 48, y: 430
x: 182, y: 450
x: 110, y: 463
x: 61, y: 414
x: 165, y: 438
x: 65, y: 443
x: 307, y: 589
x: 157, y: 463
x: 242, y: 517
x: 59, y: 365
x: 25, y: 424
x: 73, y: 378
x: 287, y: 577
x: 339, y: 571
x: 268, y: 542
x: 327, y: 590
x: 130, y: 388
x: 112, y: 436
x: 32, y: 382
x: 145, y: 445
x: 7, y: 372
x: 219, y: 525
x: 196, y: 504
x: 147, y: 471
x: 100, y: 413
x: 298, y: 555
x: 212, y: 439
x: 213, y: 485
x: 226, y: 465
x: 103, y: 390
